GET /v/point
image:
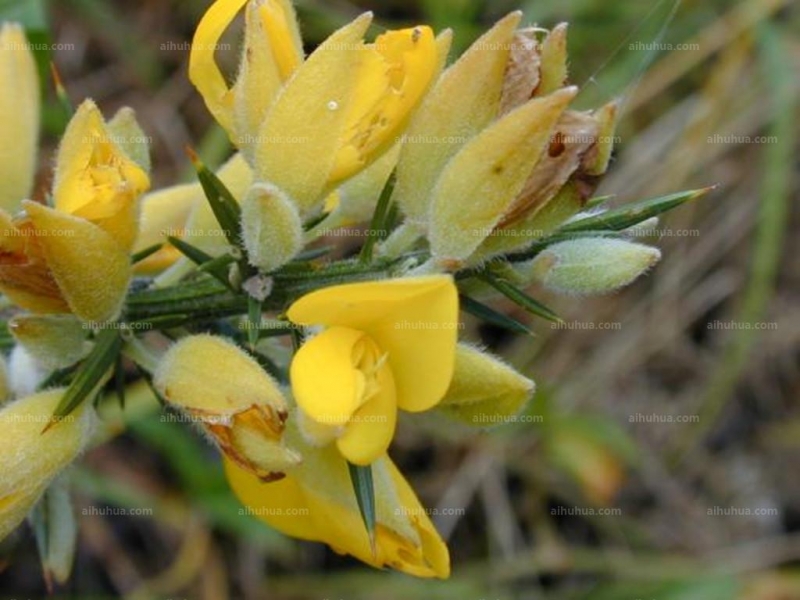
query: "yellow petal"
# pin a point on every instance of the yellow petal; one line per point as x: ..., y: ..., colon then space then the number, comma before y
x: 371, y: 428
x: 272, y: 52
x: 316, y: 502
x: 90, y: 267
x: 483, y: 180
x: 95, y: 179
x: 396, y: 72
x: 203, y: 70
x: 303, y: 130
x: 30, y: 459
x: 326, y: 384
x: 414, y: 320
x: 463, y: 102
x: 19, y: 117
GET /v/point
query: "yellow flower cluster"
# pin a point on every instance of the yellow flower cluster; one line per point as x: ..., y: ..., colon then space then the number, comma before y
x: 478, y: 149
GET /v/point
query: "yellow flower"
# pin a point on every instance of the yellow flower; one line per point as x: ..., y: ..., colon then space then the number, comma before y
x: 243, y: 412
x: 29, y: 458
x: 505, y: 146
x: 308, y: 126
x: 74, y: 257
x: 19, y: 117
x: 315, y: 502
x: 385, y: 345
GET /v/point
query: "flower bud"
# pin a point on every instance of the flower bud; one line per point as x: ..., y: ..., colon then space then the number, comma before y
x: 484, y: 390
x: 19, y: 117
x: 271, y: 227
x: 591, y: 266
x: 31, y: 458
x: 243, y: 411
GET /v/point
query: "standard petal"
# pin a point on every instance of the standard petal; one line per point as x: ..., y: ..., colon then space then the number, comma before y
x: 414, y: 320
x: 203, y: 70
x: 92, y: 270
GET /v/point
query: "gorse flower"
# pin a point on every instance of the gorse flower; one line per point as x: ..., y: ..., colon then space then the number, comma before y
x: 74, y: 257
x: 385, y: 345
x: 307, y: 126
x: 493, y: 145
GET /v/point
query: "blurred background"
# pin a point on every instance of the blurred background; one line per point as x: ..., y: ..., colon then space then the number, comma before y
x: 659, y: 458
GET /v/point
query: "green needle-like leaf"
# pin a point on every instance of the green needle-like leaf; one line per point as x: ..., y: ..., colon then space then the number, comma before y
x: 91, y: 374
x: 491, y: 316
x: 520, y: 298
x: 632, y: 214
x: 226, y: 208
x: 364, y: 489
